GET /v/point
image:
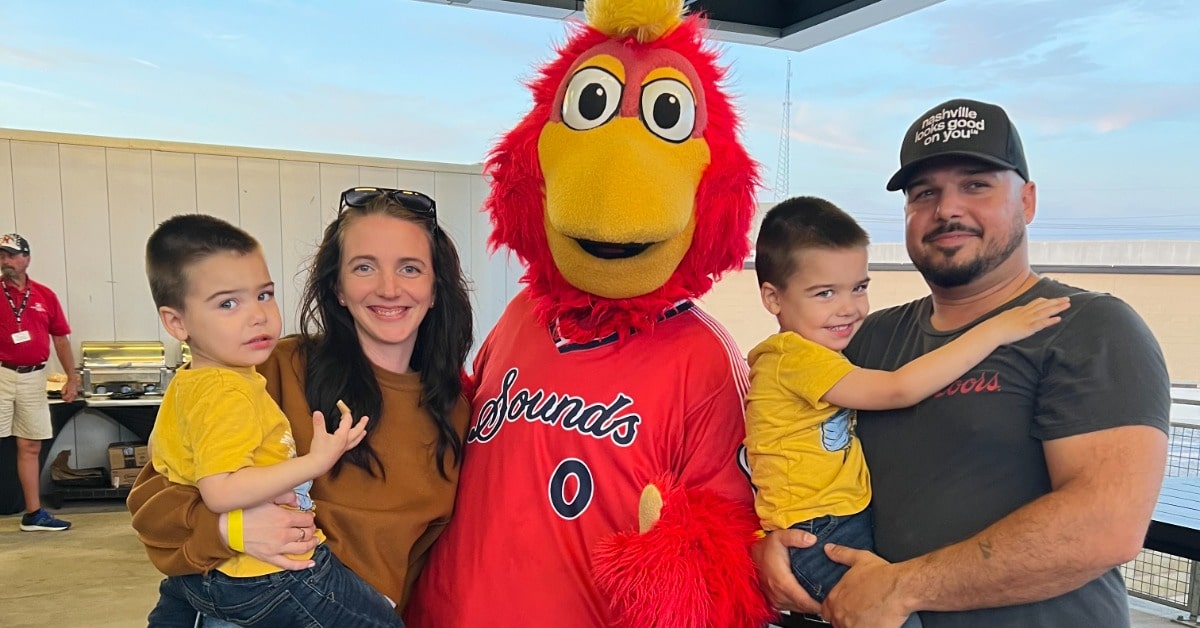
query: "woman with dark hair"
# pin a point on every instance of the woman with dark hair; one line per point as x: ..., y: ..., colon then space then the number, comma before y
x: 386, y: 327
x: 342, y: 336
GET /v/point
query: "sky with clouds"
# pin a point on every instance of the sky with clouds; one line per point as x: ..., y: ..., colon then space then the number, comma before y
x: 1106, y: 93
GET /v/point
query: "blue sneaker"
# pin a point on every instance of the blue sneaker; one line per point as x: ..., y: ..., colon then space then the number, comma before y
x: 42, y: 521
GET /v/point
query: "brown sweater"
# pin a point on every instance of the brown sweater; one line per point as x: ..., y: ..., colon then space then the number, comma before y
x: 381, y: 529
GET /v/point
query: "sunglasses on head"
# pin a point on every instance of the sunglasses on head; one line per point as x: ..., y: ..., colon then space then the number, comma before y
x: 415, y: 202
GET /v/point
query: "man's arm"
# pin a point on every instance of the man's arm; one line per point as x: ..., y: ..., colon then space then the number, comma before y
x: 1104, y: 487
x: 62, y: 348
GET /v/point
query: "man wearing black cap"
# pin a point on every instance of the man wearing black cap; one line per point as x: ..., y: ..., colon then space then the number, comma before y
x: 1010, y: 497
x: 32, y: 319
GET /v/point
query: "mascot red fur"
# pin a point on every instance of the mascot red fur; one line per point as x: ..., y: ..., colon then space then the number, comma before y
x: 601, y: 483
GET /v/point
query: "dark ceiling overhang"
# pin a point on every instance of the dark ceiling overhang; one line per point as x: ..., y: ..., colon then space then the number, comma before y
x: 784, y: 24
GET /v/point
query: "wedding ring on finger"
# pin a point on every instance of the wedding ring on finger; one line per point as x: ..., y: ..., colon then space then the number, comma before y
x: 302, y: 534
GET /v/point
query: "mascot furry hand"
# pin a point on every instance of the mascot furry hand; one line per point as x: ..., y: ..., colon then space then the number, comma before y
x: 625, y: 193
x: 674, y: 573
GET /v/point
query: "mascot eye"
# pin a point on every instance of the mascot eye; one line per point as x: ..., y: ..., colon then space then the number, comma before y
x: 592, y: 98
x: 668, y: 109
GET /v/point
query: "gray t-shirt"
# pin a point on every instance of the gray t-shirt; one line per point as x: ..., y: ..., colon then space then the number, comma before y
x: 971, y: 454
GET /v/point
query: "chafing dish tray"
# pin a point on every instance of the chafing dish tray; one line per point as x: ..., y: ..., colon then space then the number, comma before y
x: 123, y: 367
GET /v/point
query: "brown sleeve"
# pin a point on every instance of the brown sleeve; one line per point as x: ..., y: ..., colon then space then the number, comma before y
x: 271, y: 370
x: 181, y: 535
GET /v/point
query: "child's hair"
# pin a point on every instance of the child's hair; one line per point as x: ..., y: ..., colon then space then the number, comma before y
x: 797, y: 224
x: 181, y: 241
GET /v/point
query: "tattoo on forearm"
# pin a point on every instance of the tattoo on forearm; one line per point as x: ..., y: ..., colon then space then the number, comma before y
x: 985, y: 548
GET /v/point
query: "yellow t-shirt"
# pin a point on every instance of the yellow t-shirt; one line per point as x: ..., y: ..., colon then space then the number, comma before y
x: 805, y: 461
x: 218, y: 420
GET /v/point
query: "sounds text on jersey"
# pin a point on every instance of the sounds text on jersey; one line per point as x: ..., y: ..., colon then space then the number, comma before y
x: 612, y: 420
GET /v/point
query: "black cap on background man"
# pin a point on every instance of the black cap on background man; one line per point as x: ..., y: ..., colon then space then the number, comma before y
x: 963, y: 128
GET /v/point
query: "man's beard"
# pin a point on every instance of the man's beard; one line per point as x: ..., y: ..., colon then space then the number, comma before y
x: 953, y: 275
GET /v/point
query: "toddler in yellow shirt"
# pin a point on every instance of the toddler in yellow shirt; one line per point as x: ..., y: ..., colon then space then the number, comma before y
x: 805, y: 462
x: 219, y: 430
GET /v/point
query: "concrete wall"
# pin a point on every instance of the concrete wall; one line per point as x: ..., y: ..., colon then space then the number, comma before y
x: 1170, y: 304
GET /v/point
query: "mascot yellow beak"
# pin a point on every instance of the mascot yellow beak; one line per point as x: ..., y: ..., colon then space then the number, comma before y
x: 622, y: 164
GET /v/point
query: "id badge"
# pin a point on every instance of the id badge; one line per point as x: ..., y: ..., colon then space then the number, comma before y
x: 21, y: 336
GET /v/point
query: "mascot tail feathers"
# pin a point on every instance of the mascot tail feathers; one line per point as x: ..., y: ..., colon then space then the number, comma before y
x: 689, y: 569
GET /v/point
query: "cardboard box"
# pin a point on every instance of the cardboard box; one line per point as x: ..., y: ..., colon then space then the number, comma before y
x: 128, y: 455
x: 125, y: 477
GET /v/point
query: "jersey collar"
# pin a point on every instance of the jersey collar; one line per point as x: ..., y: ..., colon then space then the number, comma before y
x: 567, y: 346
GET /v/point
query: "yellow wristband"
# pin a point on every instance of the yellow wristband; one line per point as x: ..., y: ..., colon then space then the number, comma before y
x: 234, y: 523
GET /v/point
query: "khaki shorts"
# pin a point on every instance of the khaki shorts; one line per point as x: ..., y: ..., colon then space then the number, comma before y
x: 24, y: 410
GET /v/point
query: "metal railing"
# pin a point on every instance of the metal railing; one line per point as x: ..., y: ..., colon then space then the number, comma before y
x: 1162, y: 578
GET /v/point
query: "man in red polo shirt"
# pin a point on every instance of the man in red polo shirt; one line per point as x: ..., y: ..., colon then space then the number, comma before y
x: 33, y: 317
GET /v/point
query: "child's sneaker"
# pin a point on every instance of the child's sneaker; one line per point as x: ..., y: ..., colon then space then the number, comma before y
x: 42, y: 521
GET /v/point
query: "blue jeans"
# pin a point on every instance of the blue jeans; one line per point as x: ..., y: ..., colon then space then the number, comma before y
x: 813, y: 569
x: 329, y: 594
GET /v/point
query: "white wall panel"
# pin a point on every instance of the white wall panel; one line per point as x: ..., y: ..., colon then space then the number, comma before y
x: 7, y: 214
x: 458, y: 207
x: 173, y: 182
x: 300, y: 232
x: 417, y: 180
x: 174, y: 177
x: 88, y: 205
x: 259, y: 184
x: 37, y: 199
x: 377, y: 177
x: 506, y: 265
x: 217, y: 187
x: 494, y: 275
x: 334, y: 179
x: 85, y: 233
x: 455, y: 209
x: 131, y: 218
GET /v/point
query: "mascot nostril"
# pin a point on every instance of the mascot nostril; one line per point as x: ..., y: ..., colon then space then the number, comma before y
x: 601, y: 484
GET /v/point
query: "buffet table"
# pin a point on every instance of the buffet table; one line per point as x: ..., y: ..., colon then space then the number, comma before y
x: 136, y: 415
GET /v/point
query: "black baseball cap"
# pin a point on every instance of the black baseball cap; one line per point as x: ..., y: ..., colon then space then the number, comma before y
x: 14, y: 243
x: 963, y: 127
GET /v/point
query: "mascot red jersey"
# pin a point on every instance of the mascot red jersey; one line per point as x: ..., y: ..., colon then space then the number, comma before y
x: 601, y: 483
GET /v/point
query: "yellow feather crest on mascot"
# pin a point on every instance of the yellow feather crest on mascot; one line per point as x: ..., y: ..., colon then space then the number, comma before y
x: 644, y: 20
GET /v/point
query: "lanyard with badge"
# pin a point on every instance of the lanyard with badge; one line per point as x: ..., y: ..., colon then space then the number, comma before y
x: 22, y: 335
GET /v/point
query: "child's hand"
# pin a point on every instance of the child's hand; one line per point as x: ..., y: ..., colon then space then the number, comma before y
x: 286, y: 499
x: 327, y: 448
x: 1025, y: 321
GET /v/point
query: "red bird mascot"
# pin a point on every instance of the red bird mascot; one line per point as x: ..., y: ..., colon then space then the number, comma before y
x: 601, y: 483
